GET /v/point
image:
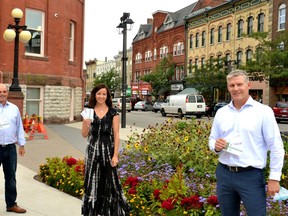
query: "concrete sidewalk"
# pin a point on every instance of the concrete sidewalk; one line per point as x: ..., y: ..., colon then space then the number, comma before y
x: 36, y: 197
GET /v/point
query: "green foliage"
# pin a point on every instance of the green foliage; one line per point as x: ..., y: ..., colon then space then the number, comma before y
x: 209, y: 76
x: 161, y: 76
x: 111, y: 78
x: 271, y: 59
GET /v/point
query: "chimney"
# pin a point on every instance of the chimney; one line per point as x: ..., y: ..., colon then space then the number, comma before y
x: 149, y: 21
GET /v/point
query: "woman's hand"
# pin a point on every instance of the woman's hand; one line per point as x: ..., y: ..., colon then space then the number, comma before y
x: 114, y: 161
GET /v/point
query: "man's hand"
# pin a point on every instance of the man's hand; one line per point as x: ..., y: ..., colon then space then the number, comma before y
x: 21, y: 151
x: 273, y: 187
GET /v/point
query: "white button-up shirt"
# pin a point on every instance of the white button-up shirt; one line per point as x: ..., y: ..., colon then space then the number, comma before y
x: 256, y: 126
x: 11, y: 127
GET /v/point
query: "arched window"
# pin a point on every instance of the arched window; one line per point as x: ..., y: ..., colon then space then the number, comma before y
x: 281, y: 17
x: 250, y: 25
x: 212, y: 36
x: 191, y: 41
x: 240, y: 28
x: 260, y: 26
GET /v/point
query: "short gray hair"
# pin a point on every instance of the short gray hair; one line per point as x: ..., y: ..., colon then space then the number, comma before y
x: 236, y: 73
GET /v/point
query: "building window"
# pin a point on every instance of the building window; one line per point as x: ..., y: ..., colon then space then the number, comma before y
x: 219, y: 34
x: 179, y: 73
x: 228, y: 32
x: 239, y: 57
x: 148, y: 56
x: 282, y: 17
x: 35, y: 24
x: 155, y: 54
x: 190, y: 65
x: 240, y: 28
x: 203, y: 38
x: 163, y: 52
x: 196, y: 63
x: 202, y: 62
x: 178, y: 49
x: 34, y: 101
x: 197, y: 40
x: 191, y: 42
x: 250, y: 25
x: 138, y: 58
x: 248, y: 55
x: 260, y: 27
x: 212, y: 36
x: 72, y: 41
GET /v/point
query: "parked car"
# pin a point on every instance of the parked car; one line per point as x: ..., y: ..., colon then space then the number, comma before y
x: 281, y: 111
x: 209, y: 110
x: 157, y: 106
x: 184, y: 104
x: 134, y: 100
x: 117, y: 104
x: 218, y: 106
x: 143, y: 105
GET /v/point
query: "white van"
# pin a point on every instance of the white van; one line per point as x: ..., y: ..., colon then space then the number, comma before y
x: 184, y: 104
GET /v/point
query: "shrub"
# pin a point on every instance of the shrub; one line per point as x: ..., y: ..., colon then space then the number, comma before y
x: 65, y: 174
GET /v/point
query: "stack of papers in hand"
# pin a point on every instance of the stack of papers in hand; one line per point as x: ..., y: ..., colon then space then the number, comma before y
x: 282, y: 195
x: 88, y: 113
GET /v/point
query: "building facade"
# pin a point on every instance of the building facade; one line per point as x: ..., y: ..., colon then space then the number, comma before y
x: 50, y: 64
x: 279, y: 25
x: 162, y: 36
x: 218, y: 33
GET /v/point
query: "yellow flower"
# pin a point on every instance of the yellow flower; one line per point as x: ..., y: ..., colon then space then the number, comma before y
x: 128, y: 146
x: 136, y: 145
x: 283, y: 176
x: 146, y: 149
x: 186, y: 138
x: 185, y: 212
x: 132, y: 200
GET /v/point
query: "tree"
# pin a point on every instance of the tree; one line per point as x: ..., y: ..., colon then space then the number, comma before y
x: 271, y: 59
x: 161, y: 76
x: 111, y: 78
x: 208, y: 77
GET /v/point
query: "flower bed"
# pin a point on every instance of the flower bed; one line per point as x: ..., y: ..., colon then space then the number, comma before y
x: 167, y: 170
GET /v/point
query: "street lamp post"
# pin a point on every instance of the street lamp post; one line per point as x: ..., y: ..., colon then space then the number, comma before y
x: 17, y: 33
x: 125, y: 20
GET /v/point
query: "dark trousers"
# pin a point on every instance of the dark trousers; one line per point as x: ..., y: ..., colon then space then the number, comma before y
x: 8, y: 159
x: 247, y: 186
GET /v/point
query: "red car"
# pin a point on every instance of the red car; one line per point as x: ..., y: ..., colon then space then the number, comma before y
x: 281, y: 111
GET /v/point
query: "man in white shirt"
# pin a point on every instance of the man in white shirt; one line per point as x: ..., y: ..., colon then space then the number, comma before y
x: 11, y: 133
x: 242, y: 133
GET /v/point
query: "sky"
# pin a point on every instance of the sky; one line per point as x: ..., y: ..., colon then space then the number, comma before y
x: 101, y: 37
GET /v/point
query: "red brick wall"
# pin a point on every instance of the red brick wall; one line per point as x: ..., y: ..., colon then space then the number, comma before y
x: 55, y: 62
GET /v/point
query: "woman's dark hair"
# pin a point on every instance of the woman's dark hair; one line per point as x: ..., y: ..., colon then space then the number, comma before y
x: 92, y: 99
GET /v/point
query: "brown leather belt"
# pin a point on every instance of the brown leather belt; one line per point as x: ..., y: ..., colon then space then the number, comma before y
x: 237, y: 169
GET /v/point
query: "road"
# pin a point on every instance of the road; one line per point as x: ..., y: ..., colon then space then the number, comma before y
x: 144, y: 119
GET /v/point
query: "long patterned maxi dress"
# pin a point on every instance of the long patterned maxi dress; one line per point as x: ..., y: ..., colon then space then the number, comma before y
x: 103, y: 194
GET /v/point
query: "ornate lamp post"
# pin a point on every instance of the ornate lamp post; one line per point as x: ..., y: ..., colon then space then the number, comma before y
x: 17, y: 33
x: 125, y: 20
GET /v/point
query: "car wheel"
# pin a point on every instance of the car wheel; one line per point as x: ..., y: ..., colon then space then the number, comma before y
x: 163, y: 113
x: 180, y: 114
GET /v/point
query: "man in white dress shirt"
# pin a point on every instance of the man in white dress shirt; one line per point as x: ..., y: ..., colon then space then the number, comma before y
x: 242, y: 134
x: 11, y: 133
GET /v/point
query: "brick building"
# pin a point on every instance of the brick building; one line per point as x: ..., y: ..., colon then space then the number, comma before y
x: 161, y: 36
x: 50, y: 64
